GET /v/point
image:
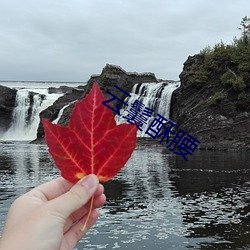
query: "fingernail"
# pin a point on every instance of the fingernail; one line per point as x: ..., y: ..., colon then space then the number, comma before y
x: 89, y: 182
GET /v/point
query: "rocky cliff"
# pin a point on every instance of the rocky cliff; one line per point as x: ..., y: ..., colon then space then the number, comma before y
x: 123, y: 78
x: 215, y: 114
x: 114, y: 75
x: 110, y: 75
x: 51, y: 113
x: 7, y: 104
x: 212, y: 104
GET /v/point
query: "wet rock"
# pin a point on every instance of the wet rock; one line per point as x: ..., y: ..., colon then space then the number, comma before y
x: 52, y: 112
x: 64, y: 89
x: 7, y: 105
x: 111, y: 75
x: 225, y: 125
x: 60, y: 90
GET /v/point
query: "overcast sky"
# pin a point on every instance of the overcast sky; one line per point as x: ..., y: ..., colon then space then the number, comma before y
x: 68, y: 40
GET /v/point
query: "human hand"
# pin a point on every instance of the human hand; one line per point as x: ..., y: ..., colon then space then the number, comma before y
x: 50, y: 216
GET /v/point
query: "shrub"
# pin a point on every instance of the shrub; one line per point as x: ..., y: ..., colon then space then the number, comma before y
x: 242, y: 96
x: 239, y: 84
x: 206, y: 51
x: 227, y: 78
x: 197, y: 75
x: 216, y: 98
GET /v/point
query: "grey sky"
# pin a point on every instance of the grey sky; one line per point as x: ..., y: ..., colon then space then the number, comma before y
x: 68, y: 40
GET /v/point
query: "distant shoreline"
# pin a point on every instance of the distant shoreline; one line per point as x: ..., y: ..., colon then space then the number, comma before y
x: 39, y: 84
x: 47, y: 81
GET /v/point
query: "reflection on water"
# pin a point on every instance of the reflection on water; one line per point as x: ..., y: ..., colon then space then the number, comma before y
x: 22, y: 167
x: 215, y: 192
x: 158, y: 201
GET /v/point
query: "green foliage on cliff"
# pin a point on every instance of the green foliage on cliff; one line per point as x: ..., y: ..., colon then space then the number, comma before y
x: 229, y: 78
x: 225, y: 68
x: 216, y: 98
x: 197, y: 75
x: 231, y: 62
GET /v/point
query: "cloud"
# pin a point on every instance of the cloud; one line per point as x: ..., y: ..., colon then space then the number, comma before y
x: 70, y: 40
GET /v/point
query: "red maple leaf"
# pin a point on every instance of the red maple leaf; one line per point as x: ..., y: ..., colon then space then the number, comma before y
x: 92, y: 142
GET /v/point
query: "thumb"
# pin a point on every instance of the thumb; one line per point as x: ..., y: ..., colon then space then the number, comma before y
x: 76, y: 197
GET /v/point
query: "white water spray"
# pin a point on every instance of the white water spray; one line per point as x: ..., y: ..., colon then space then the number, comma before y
x: 25, y: 117
x: 156, y: 96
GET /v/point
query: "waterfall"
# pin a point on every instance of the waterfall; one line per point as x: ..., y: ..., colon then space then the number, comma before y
x: 156, y: 96
x: 25, y: 117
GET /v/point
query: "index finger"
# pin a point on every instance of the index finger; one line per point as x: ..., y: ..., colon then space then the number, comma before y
x: 54, y: 188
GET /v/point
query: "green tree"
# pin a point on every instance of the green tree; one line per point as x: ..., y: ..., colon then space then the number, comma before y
x: 245, y: 28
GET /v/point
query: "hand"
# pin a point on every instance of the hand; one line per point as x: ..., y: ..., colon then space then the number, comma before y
x: 50, y: 216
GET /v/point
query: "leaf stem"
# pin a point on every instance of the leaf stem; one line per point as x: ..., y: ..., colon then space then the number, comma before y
x: 88, y: 216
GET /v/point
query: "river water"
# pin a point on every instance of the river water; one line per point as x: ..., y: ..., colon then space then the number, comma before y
x: 158, y: 201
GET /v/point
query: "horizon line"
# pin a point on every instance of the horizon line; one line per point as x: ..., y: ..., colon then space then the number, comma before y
x: 41, y: 81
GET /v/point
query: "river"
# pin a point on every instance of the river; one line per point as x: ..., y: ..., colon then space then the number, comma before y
x: 158, y: 201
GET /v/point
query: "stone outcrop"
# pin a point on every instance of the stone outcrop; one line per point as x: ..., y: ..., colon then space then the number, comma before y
x: 7, y: 104
x: 64, y: 89
x: 224, y: 125
x: 123, y: 79
x: 114, y: 75
x: 52, y: 112
x: 111, y: 75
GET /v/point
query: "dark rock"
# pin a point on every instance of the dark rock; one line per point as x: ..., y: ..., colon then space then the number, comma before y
x: 80, y: 87
x: 7, y: 104
x: 114, y: 70
x: 111, y: 75
x: 63, y: 89
x: 52, y: 112
x: 224, y: 125
x: 31, y: 101
x: 191, y: 60
x: 175, y: 103
x: 114, y: 75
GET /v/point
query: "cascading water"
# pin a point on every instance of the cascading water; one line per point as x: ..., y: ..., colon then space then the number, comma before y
x: 20, y: 112
x: 156, y: 96
x: 25, y: 117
